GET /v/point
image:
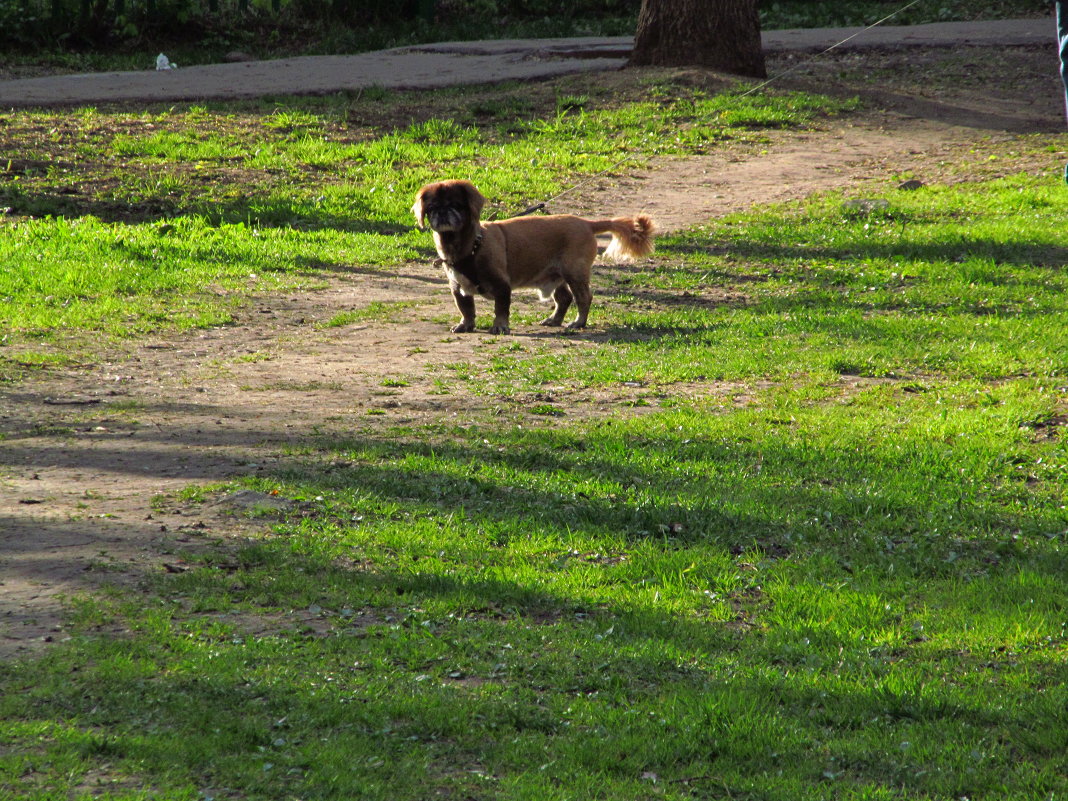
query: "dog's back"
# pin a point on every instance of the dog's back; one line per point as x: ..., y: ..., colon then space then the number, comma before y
x: 534, y: 246
x: 564, y: 234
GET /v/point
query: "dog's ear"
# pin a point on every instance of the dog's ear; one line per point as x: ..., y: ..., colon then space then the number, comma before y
x: 417, y: 209
x: 475, y: 201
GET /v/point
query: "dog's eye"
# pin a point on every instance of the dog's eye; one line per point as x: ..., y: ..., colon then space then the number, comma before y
x: 442, y: 208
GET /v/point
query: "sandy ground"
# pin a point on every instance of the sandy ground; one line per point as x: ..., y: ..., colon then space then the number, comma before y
x: 90, y: 460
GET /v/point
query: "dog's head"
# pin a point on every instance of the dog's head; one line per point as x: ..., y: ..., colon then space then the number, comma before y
x: 448, y: 206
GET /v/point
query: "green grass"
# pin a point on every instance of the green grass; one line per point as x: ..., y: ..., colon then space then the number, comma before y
x: 804, y: 599
x: 171, y: 217
x: 376, y: 310
x: 824, y: 560
x: 943, y: 281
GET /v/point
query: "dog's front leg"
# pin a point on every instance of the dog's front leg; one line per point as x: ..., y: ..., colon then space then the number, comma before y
x: 466, y: 306
x: 502, y: 305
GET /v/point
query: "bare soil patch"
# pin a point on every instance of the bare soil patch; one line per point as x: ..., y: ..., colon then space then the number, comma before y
x: 91, y: 460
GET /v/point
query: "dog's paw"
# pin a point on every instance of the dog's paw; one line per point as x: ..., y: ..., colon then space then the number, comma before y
x: 549, y: 321
x: 499, y: 329
x: 463, y: 328
x: 576, y: 325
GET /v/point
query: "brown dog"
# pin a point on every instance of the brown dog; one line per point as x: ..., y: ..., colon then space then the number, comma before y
x: 551, y: 254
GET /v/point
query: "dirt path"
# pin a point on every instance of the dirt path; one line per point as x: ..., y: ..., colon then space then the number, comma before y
x: 454, y: 63
x: 90, y: 460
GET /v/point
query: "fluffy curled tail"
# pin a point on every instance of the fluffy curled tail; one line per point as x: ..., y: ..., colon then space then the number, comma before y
x: 632, y: 237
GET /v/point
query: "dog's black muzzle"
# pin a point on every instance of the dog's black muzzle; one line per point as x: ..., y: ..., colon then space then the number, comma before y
x: 445, y: 220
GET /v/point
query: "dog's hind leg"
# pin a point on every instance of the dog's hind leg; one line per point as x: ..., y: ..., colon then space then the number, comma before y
x: 583, y: 298
x: 562, y: 297
x: 466, y: 306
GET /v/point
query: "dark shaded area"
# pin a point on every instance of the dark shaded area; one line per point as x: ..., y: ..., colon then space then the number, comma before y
x: 795, y: 482
x: 1007, y: 254
x: 561, y: 648
x: 264, y: 212
x: 723, y: 36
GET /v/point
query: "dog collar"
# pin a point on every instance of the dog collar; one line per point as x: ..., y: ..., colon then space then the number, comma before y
x: 465, y: 266
x: 474, y: 250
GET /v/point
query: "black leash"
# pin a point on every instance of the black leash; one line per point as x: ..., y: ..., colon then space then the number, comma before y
x: 531, y: 210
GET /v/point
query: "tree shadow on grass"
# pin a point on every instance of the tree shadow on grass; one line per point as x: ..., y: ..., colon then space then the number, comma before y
x: 830, y: 301
x: 1007, y: 254
x: 519, y: 665
x: 1042, y: 255
x: 680, y: 491
x: 604, y: 695
x: 802, y: 476
x: 252, y: 209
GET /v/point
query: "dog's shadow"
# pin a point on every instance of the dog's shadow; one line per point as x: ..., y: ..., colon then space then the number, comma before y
x: 595, y: 334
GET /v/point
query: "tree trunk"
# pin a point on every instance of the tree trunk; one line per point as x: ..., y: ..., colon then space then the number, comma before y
x: 721, y: 34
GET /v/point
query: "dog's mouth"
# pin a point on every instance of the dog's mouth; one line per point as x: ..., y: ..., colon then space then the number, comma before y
x: 445, y: 221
